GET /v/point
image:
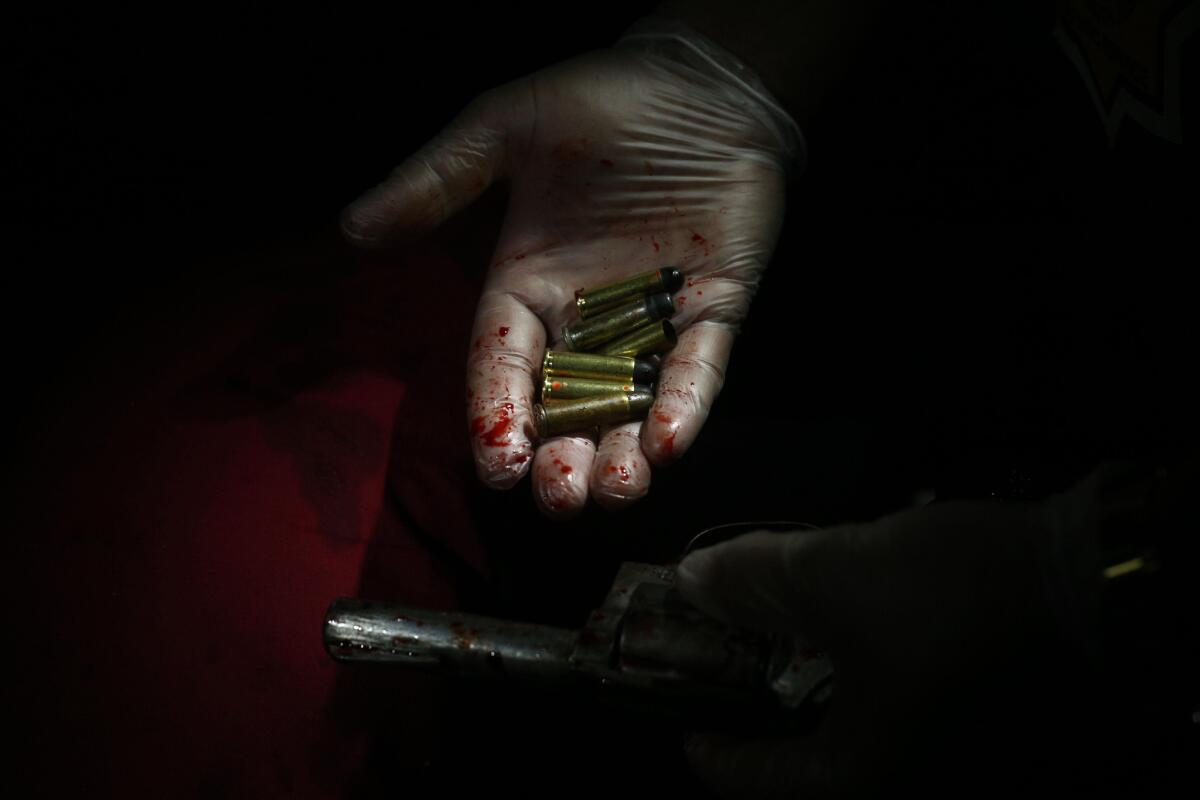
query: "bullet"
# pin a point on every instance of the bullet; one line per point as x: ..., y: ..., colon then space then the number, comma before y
x: 590, y: 303
x: 558, y: 388
x: 565, y: 364
x: 652, y: 338
x: 590, y: 333
x: 569, y: 416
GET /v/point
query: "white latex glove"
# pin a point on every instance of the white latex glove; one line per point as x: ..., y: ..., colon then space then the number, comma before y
x: 662, y: 151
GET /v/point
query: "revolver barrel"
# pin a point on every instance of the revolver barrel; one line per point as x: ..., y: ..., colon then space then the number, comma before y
x: 643, y: 645
x: 462, y: 644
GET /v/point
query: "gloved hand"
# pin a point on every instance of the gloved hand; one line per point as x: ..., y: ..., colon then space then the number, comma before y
x: 935, y: 620
x: 662, y: 151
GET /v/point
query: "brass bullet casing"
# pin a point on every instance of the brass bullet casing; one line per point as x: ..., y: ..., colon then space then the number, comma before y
x: 558, y: 388
x: 590, y: 333
x: 653, y: 338
x: 590, y: 303
x: 569, y: 416
x: 565, y: 364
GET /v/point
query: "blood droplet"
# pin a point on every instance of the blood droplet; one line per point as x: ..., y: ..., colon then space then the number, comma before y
x: 667, y: 442
x: 495, y: 435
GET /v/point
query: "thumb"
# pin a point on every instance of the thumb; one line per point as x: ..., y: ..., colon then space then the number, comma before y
x: 441, y: 178
x: 767, y: 581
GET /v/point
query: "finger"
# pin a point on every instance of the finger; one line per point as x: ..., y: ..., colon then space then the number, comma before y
x: 507, y: 344
x: 561, y: 471
x: 769, y: 581
x: 691, y: 377
x: 762, y: 768
x: 441, y: 178
x: 621, y: 473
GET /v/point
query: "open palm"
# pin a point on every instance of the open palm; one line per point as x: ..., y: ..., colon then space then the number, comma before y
x: 620, y: 161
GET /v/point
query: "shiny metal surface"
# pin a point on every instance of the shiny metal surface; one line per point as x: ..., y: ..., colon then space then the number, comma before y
x: 644, y: 645
x: 357, y: 630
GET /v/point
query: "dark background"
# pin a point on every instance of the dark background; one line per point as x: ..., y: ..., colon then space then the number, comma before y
x: 961, y: 180
x: 145, y: 152
x: 960, y: 185
x: 974, y: 291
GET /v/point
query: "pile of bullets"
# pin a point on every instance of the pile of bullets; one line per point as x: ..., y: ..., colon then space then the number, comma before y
x: 600, y: 379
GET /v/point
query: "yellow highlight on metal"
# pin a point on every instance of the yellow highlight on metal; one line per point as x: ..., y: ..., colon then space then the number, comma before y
x: 652, y: 338
x: 571, y: 388
x: 558, y: 363
x: 603, y: 298
x: 1124, y: 568
x: 568, y: 416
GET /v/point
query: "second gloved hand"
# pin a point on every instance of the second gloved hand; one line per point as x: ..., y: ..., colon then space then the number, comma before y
x: 943, y: 638
x: 662, y: 151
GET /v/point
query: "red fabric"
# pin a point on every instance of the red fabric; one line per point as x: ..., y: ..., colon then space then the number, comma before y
x: 290, y: 436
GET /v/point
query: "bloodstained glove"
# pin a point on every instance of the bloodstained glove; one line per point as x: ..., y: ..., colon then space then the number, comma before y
x: 661, y: 151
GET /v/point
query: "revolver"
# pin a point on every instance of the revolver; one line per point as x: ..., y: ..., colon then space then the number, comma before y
x: 643, y: 646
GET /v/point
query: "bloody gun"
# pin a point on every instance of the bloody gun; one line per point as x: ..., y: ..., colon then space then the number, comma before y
x: 644, y: 645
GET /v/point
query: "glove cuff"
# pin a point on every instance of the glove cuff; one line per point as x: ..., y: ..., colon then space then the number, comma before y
x: 674, y: 39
